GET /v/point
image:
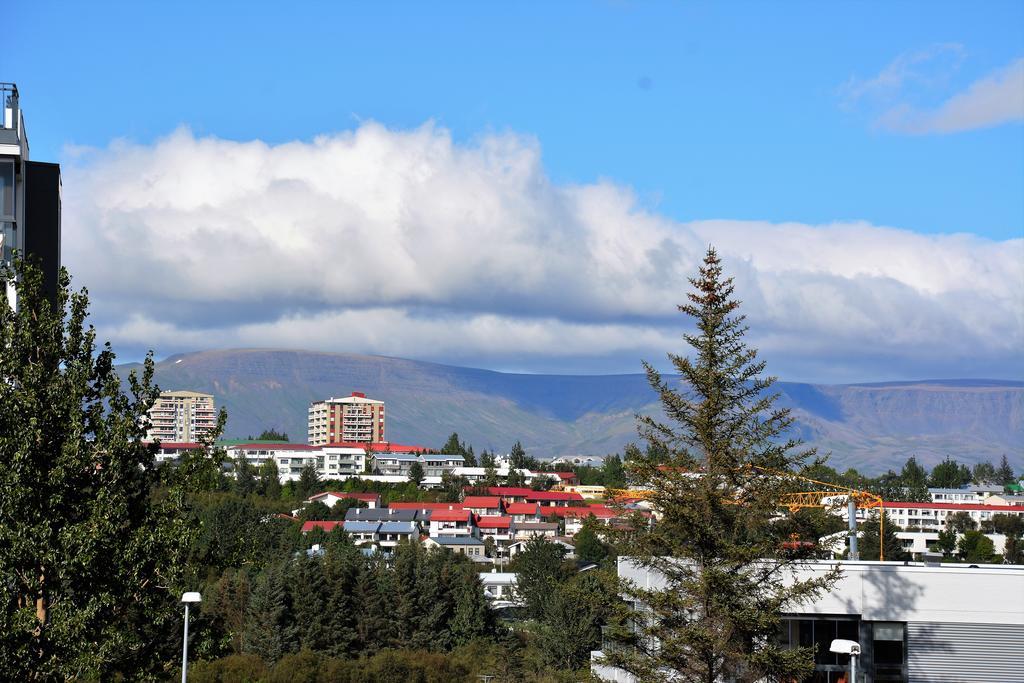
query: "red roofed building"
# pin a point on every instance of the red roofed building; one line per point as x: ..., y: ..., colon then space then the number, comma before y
x: 568, y: 478
x: 452, y: 523
x: 326, y: 525
x: 483, y: 505
x: 558, y: 498
x: 498, y: 528
x: 423, y: 505
x: 510, y: 494
x: 523, y: 512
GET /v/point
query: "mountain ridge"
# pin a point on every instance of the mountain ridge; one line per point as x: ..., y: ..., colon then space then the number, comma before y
x: 871, y: 426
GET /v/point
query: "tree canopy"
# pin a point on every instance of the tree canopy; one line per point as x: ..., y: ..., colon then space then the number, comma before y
x: 715, y: 545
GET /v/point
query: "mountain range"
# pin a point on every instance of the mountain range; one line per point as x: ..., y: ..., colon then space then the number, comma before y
x: 868, y: 426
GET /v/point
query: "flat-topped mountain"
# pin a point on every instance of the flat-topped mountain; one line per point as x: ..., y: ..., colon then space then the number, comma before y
x: 868, y: 426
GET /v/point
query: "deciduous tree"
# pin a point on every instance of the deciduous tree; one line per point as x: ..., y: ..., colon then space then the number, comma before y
x: 89, y: 559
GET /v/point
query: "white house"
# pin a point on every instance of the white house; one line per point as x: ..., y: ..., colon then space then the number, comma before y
x: 452, y: 523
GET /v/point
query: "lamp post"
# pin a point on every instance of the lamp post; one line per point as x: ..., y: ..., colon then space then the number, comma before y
x: 848, y: 647
x: 187, y: 598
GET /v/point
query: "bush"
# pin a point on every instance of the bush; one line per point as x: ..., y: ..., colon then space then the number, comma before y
x: 231, y: 669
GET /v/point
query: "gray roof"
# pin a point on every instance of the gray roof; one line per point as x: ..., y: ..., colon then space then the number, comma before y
x: 397, y: 528
x: 443, y: 456
x: 402, y: 457
x: 537, y: 526
x: 381, y: 515
x: 456, y: 540
x: 361, y: 527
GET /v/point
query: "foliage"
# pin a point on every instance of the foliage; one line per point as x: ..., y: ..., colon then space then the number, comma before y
x: 539, y: 570
x: 270, y: 435
x: 455, y: 447
x: 975, y: 546
x: 715, y: 546
x: 589, y: 547
x: 949, y: 474
x: 269, y: 483
x: 308, y: 483
x: 961, y: 522
x: 572, y: 618
x: 946, y: 543
x: 90, y: 558
x: 1004, y: 473
x: 983, y: 473
x: 416, y: 473
x: 869, y: 543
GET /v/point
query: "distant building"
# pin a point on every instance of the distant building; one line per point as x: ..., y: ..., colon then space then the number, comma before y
x: 354, y: 419
x: 181, y: 416
x: 30, y: 198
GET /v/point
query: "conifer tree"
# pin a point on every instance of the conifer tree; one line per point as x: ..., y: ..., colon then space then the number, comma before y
x: 713, y: 481
x: 270, y: 480
x: 267, y: 616
x: 869, y: 541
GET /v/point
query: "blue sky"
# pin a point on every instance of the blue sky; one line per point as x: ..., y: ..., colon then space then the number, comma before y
x: 810, y: 113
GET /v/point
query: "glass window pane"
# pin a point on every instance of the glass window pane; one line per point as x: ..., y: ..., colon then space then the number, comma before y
x: 7, y: 189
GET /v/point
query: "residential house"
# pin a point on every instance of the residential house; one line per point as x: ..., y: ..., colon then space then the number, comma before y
x: 290, y: 458
x: 362, y: 532
x: 510, y: 494
x: 972, y: 493
x: 452, y: 523
x: 566, y: 543
x: 470, y: 546
x: 501, y: 529
x: 524, y: 530
x: 397, y: 464
x: 435, y: 465
x: 557, y: 498
x: 499, y: 586
x: 171, y: 451
x: 567, y: 479
x: 326, y: 525
x: 483, y: 505
x: 523, y: 512
x: 390, y: 534
x: 330, y: 498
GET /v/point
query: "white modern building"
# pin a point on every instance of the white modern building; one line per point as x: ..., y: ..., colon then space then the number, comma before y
x: 914, y: 622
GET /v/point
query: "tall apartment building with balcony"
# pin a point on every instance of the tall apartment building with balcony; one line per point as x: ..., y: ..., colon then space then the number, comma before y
x: 353, y: 419
x: 29, y: 199
x: 181, y: 416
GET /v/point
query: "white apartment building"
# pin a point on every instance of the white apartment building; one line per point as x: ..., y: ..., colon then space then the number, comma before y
x: 181, y: 416
x: 975, y: 493
x: 353, y: 419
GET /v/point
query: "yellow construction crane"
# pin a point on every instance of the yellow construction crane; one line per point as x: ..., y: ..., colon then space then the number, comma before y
x: 825, y: 494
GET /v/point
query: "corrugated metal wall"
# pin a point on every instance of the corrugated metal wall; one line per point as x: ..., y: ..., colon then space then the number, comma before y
x: 965, y: 653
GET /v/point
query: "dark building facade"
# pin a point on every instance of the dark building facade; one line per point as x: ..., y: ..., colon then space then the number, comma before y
x: 30, y: 197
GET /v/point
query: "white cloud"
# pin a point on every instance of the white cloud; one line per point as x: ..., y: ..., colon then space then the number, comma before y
x: 903, y: 95
x: 990, y: 101
x: 928, y: 67
x: 404, y: 243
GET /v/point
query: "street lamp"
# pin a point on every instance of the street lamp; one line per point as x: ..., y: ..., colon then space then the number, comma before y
x: 187, y: 598
x: 848, y: 647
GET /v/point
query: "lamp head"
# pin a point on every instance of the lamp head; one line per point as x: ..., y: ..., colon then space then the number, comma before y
x: 845, y: 647
x: 191, y: 597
